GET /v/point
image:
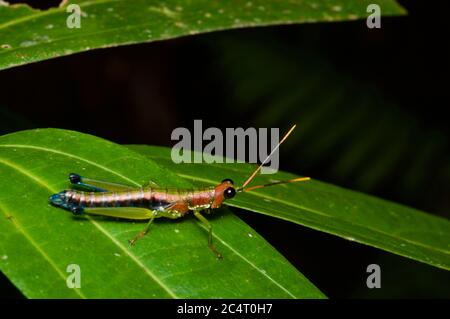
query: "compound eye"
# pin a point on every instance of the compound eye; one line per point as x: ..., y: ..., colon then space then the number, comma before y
x: 229, y: 193
x: 228, y: 180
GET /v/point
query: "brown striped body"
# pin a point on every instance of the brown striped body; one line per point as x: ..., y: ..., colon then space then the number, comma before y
x: 151, y: 198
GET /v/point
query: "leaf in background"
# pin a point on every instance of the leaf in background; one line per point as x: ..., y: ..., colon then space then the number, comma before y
x: 29, y: 35
x: 38, y: 241
x: 352, y: 215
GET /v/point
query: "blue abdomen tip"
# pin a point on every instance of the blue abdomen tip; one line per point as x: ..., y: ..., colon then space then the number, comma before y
x: 58, y: 199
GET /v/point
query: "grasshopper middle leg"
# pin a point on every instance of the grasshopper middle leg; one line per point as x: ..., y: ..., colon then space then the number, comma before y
x: 205, y: 222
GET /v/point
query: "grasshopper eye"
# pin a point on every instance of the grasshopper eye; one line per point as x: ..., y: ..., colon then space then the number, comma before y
x: 228, y: 180
x: 229, y: 193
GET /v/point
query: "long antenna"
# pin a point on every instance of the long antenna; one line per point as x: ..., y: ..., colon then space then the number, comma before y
x: 265, y: 161
x: 299, y: 179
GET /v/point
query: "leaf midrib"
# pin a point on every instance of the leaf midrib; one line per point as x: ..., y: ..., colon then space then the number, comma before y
x: 137, y: 184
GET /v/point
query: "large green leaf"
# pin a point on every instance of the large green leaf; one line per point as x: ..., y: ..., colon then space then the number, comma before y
x: 29, y: 35
x: 38, y: 241
x: 348, y: 214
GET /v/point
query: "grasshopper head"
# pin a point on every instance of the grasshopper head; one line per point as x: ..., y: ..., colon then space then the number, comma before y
x: 225, y: 190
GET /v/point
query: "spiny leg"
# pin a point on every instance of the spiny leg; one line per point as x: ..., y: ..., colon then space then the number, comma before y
x: 209, y: 227
x: 144, y: 232
x: 96, y: 185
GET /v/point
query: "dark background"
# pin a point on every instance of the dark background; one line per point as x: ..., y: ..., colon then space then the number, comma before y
x: 371, y: 108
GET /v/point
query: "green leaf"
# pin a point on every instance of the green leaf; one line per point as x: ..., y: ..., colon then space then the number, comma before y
x: 29, y: 35
x: 352, y: 215
x: 38, y: 241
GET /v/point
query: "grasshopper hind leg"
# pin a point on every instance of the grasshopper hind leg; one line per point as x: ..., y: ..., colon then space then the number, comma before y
x: 144, y: 231
x: 166, y: 212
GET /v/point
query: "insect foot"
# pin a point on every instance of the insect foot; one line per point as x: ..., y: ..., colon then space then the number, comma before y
x: 132, y: 242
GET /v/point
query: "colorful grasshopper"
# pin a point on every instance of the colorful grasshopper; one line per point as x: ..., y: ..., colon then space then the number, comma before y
x: 148, y: 203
